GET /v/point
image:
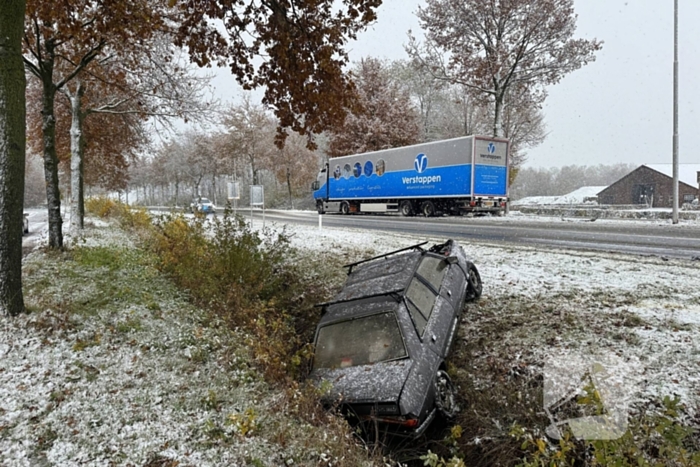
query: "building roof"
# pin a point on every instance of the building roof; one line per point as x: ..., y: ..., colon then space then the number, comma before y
x: 687, y: 173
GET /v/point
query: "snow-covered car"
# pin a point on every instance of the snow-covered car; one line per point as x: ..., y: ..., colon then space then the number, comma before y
x: 25, y: 227
x: 202, y: 205
x: 381, y: 344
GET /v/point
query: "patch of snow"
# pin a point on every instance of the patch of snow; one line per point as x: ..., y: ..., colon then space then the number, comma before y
x: 578, y: 196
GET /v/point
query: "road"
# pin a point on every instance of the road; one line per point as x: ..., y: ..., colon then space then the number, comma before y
x: 633, y: 237
x: 652, y: 238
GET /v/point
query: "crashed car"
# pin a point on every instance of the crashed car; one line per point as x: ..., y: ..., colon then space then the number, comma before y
x: 381, y: 344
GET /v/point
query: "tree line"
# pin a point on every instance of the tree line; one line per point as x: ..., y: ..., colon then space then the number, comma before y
x: 86, y: 84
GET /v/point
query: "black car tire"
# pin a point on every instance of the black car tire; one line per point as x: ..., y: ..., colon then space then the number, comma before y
x: 428, y: 208
x: 445, y: 397
x: 474, y: 284
x: 319, y: 207
x: 406, y: 208
x: 344, y: 208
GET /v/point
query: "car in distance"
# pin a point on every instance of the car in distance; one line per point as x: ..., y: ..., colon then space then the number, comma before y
x: 202, y: 205
x: 381, y: 344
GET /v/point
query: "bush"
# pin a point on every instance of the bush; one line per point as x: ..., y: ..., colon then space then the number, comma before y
x: 248, y: 278
x: 102, y: 207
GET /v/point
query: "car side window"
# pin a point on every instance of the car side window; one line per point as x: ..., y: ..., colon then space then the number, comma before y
x: 421, y: 298
x: 420, y: 303
x: 433, y: 271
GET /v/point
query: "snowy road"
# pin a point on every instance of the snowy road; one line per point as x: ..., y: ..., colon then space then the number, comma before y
x: 657, y: 238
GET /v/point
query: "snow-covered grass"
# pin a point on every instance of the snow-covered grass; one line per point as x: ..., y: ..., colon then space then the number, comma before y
x: 543, y: 309
x: 113, y: 365
x: 575, y: 300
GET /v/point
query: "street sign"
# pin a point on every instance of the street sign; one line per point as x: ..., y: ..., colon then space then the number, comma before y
x: 234, y: 190
x: 257, y: 195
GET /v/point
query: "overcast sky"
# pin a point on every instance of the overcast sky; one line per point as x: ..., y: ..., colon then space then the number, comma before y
x: 616, y: 109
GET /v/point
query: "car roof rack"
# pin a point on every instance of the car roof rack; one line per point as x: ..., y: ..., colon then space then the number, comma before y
x: 390, y: 293
x: 414, y: 247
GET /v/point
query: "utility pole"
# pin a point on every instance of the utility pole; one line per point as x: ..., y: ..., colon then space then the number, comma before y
x: 675, y: 111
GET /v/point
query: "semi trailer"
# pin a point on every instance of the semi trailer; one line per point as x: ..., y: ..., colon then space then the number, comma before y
x: 453, y: 176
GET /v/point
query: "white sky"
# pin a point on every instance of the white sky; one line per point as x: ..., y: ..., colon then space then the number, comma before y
x: 616, y: 109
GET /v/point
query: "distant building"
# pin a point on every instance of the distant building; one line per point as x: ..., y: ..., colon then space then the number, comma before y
x: 652, y: 184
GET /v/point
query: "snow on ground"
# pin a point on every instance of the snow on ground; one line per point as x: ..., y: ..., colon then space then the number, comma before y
x: 141, y: 384
x: 139, y: 379
x: 578, y: 196
x: 644, y: 309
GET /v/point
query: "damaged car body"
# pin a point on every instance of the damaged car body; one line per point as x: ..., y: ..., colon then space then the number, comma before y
x: 381, y: 344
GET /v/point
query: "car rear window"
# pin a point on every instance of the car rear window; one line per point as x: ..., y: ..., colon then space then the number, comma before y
x: 361, y: 341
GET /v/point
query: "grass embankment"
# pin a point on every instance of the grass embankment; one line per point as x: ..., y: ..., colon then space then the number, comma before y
x: 177, y: 349
x: 224, y: 340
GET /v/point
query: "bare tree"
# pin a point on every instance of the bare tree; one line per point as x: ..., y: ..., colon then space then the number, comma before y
x: 493, y: 47
x: 250, y: 133
x: 294, y: 165
x: 386, y: 117
x: 149, y: 81
x: 61, y: 38
x: 12, y: 156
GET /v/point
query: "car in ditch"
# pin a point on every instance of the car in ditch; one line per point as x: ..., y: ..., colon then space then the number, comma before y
x: 381, y: 345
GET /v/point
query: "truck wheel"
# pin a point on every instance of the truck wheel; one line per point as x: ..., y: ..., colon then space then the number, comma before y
x: 428, y: 208
x: 319, y: 207
x: 406, y: 208
x: 344, y: 208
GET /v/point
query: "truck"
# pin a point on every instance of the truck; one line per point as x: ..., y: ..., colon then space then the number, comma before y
x: 454, y: 176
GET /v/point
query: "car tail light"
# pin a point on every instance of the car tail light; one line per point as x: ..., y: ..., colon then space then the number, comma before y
x: 410, y: 423
x: 400, y: 421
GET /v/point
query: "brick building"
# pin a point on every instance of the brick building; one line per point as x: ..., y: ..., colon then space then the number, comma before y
x: 652, y: 184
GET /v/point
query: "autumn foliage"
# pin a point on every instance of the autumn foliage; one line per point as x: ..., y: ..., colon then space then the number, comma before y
x: 383, y: 118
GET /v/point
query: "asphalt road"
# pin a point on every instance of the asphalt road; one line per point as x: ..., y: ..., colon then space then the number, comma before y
x: 654, y: 238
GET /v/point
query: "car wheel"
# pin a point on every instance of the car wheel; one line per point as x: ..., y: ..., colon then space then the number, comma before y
x: 428, y: 208
x: 319, y: 207
x: 445, y: 398
x: 406, y: 208
x: 474, y: 284
x: 344, y: 208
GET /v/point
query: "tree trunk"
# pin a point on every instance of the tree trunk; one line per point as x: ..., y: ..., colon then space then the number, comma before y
x: 77, y: 165
x: 53, y: 192
x: 213, y: 184
x: 289, y: 185
x: 498, y: 114
x: 12, y: 155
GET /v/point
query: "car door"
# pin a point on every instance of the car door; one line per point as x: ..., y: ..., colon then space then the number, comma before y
x: 435, y: 313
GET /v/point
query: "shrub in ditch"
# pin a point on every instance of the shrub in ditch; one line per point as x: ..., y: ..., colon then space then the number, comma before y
x: 249, y: 278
